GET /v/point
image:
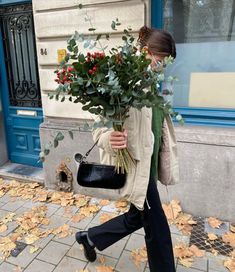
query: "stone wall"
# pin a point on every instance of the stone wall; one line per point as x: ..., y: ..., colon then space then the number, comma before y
x: 56, y: 21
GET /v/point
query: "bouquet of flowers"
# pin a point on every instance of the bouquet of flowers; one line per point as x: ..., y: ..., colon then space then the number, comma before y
x: 110, y: 84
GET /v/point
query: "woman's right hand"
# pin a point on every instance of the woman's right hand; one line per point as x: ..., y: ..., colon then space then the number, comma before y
x: 118, y: 139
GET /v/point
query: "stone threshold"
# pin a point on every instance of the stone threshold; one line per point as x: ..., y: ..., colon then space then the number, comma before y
x: 20, y: 172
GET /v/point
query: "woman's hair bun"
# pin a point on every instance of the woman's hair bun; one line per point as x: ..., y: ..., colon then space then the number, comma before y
x: 144, y: 34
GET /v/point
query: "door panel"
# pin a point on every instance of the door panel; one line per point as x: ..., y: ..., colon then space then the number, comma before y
x: 21, y: 91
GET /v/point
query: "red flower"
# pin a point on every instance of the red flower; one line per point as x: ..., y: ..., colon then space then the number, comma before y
x: 90, y: 72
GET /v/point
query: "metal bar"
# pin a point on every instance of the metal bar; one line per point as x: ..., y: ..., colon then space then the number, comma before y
x: 22, y: 55
x: 29, y: 59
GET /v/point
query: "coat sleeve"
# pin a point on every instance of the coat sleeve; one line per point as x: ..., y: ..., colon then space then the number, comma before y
x: 102, y: 134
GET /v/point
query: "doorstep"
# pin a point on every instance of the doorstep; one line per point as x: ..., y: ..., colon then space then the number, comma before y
x: 21, y: 172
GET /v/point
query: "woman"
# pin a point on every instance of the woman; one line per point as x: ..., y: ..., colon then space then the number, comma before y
x: 142, y: 137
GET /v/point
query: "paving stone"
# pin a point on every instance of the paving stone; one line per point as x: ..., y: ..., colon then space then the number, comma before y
x: 2, y: 203
x: 3, y: 213
x: 6, y: 198
x: 63, y: 211
x: 140, y: 231
x: 53, y: 252
x: 55, y: 222
x: 181, y: 268
x: 30, y: 204
x: 10, y: 227
x: 135, y: 241
x: 24, y: 258
x: 107, y: 261
x: 110, y: 208
x: 177, y: 239
x: 175, y: 230
x: 76, y: 251
x: 96, y: 219
x: 69, y: 240
x: 115, y: 250
x: 125, y: 264
x: 6, y: 267
x: 216, y: 263
x: 12, y: 206
x: 70, y: 265
x: 82, y: 224
x: 21, y: 210
x: 44, y: 241
x: 39, y: 266
x: 200, y: 263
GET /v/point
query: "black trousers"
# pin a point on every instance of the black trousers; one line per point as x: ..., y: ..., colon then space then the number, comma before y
x: 157, y: 232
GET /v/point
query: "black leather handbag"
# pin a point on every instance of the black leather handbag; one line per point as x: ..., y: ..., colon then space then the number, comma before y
x: 98, y: 175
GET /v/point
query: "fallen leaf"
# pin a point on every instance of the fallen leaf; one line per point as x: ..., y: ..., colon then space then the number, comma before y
x: 104, y: 202
x: 212, y: 236
x: 230, y: 264
x: 232, y: 228
x: 214, y: 222
x: 77, y: 218
x: 101, y: 259
x: 182, y: 251
x: 83, y: 270
x: 196, y: 251
x: 104, y: 217
x: 31, y: 238
x: 187, y: 262
x: 139, y: 256
x: 172, y: 210
x: 3, y: 228
x: 229, y: 238
x: 104, y: 268
x: 33, y: 249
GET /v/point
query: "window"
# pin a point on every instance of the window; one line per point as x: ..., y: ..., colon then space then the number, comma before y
x: 204, y: 31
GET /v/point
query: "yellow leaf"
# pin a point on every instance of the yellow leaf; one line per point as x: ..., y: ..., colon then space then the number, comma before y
x: 230, y: 264
x: 214, y: 222
x: 104, y: 268
x: 187, y: 262
x: 3, y: 228
x: 106, y: 217
x: 172, y: 210
x: 83, y: 270
x: 196, y: 251
x: 104, y: 202
x: 229, y: 238
x: 101, y: 259
x: 212, y: 236
x: 33, y: 249
x: 77, y: 218
x: 31, y: 238
x: 232, y: 228
x: 139, y: 256
x: 182, y: 251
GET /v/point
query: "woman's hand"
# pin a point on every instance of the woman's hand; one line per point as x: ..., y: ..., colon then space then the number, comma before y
x: 118, y: 140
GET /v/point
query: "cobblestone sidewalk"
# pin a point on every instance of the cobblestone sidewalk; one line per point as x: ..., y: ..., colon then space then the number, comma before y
x: 64, y: 254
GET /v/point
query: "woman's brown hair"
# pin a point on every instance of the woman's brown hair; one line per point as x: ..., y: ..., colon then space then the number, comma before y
x: 159, y: 42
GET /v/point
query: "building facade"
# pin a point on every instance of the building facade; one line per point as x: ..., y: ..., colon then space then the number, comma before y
x: 33, y: 35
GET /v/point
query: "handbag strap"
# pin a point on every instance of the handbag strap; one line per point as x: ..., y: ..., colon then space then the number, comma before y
x: 88, y: 152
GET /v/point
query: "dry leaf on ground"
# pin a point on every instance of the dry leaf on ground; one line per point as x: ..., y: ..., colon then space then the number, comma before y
x: 214, y: 222
x: 232, y: 228
x: 104, y: 217
x: 77, y: 218
x: 212, y: 236
x: 196, y: 251
x: 33, y: 249
x: 3, y: 228
x: 229, y: 238
x: 104, y: 202
x: 104, y: 268
x: 139, y: 256
x: 172, y: 210
x: 187, y: 262
x: 230, y: 264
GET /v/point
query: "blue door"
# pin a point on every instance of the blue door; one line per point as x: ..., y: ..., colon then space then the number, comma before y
x: 19, y: 83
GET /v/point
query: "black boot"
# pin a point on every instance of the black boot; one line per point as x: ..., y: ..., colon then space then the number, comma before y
x: 89, y: 251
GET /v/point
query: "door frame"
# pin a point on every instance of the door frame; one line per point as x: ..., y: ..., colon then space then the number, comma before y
x: 4, y: 88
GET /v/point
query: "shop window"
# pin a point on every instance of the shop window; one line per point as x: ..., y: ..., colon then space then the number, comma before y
x: 204, y: 31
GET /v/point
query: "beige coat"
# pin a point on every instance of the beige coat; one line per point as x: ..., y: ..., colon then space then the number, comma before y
x: 140, y: 145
